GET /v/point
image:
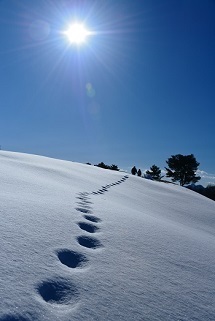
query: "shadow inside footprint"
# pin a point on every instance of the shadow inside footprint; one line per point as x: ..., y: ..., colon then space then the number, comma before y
x: 82, y: 198
x: 83, y: 210
x: 72, y: 259
x: 84, y: 206
x: 92, y: 218
x: 90, y: 228
x: 59, y: 291
x: 84, y: 202
x: 89, y: 242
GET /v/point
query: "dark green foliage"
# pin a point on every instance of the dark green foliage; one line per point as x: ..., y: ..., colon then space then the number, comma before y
x: 134, y: 171
x: 210, y: 192
x: 139, y: 173
x: 112, y: 167
x: 154, y: 172
x: 102, y: 165
x: 182, y: 168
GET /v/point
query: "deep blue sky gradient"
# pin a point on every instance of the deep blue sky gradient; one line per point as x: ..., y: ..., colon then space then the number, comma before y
x: 151, y: 70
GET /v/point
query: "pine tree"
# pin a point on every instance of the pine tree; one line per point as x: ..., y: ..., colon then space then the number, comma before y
x: 139, y: 173
x: 182, y: 168
x: 102, y: 165
x: 154, y: 172
x: 114, y: 167
x: 134, y: 171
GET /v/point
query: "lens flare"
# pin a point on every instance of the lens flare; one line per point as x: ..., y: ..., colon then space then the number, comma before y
x: 90, y: 90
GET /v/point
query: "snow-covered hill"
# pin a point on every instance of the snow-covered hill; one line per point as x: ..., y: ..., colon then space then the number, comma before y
x: 82, y: 243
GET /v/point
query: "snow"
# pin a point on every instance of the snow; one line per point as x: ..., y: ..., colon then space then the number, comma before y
x: 83, y: 243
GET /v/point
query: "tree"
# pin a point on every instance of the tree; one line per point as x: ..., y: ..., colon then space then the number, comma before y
x: 102, y: 165
x: 134, y: 171
x: 114, y: 167
x: 139, y: 173
x: 154, y: 172
x: 182, y: 168
x: 210, y: 191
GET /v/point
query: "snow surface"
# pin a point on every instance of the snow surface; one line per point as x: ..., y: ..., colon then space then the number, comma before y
x: 83, y: 243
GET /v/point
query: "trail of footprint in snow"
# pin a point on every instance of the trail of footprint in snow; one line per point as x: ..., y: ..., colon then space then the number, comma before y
x: 62, y: 291
x: 106, y: 187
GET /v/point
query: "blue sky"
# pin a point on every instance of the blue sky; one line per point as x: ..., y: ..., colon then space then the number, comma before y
x: 150, y: 66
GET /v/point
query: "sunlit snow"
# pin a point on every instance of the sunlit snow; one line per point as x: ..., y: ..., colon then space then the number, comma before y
x: 83, y: 243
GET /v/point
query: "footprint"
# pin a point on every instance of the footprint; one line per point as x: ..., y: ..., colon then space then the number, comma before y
x: 84, y: 202
x: 83, y: 205
x: 83, y: 210
x: 59, y: 291
x: 84, y: 199
x: 89, y: 242
x: 92, y: 218
x: 72, y: 259
x: 84, y: 193
x: 90, y: 228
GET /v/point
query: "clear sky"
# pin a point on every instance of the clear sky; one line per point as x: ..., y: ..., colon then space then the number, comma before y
x: 142, y: 88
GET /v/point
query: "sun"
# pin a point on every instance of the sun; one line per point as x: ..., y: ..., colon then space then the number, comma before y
x: 77, y: 33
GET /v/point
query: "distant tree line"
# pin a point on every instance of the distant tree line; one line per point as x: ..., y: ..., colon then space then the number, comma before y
x: 181, y: 168
x: 112, y: 167
x: 208, y: 191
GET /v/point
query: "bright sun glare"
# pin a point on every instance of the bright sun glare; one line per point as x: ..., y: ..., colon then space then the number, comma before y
x: 77, y: 33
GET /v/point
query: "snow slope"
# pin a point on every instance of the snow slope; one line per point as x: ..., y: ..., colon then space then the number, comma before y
x: 82, y: 243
